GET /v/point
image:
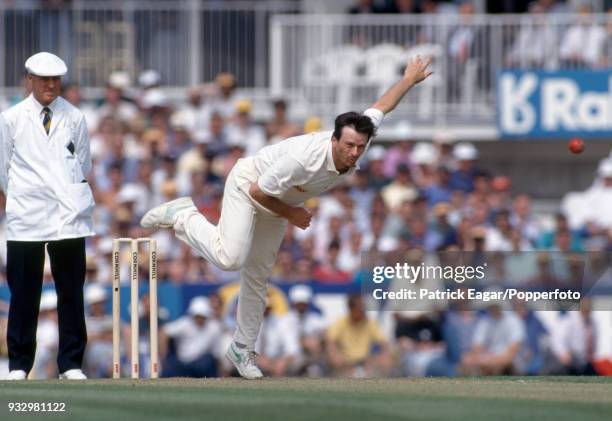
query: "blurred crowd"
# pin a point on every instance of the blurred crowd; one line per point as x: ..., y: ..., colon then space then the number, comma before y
x: 543, y: 40
x: 426, y: 196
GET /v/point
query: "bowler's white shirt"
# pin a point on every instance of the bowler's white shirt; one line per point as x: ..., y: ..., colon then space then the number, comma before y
x: 302, y: 167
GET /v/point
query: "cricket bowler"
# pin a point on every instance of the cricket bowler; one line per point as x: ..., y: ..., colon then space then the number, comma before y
x: 266, y: 191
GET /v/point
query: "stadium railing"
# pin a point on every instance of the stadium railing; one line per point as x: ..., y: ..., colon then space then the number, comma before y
x: 326, y: 63
x: 334, y: 60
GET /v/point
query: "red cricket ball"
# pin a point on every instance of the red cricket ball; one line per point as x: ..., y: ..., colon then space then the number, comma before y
x: 576, y: 145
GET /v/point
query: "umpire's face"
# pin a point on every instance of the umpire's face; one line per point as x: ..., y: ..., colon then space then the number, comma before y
x: 45, y: 88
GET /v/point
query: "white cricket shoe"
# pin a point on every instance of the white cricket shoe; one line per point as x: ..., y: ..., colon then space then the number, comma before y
x: 244, y: 361
x: 16, y: 375
x: 74, y: 374
x: 164, y: 215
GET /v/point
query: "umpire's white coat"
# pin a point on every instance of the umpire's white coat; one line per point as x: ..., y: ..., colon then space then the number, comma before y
x: 47, y: 196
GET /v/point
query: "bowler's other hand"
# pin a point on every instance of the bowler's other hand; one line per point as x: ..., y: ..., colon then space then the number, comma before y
x: 417, y: 69
x: 300, y: 217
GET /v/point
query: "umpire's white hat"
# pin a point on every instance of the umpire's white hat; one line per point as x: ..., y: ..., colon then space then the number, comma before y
x: 46, y: 65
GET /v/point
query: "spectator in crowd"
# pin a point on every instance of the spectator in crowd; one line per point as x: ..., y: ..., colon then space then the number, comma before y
x: 363, y: 197
x: 583, y: 44
x: 396, y: 155
x: 283, y: 271
x: 179, y: 138
x: 243, y: 131
x: 522, y: 219
x: 195, y: 338
x: 441, y: 233
x: 599, y: 196
x: 328, y: 271
x: 574, y: 341
x: 465, y: 46
x: 400, y: 189
x: 222, y: 95
x: 400, y: 6
x: 349, y: 258
x: 278, y: 345
x: 376, y: 167
x: 535, y: 40
x: 279, y: 127
x: 156, y: 108
x: 547, y: 238
x: 439, y: 191
x: 115, y: 102
x: 554, y: 6
x: 195, y: 112
x: 499, y: 235
x: 424, y: 159
x: 356, y: 346
x: 608, y: 46
x: 496, y: 344
x: 364, y: 6
x: 420, y: 343
x: 47, y: 338
x: 458, y: 327
x: 99, y: 352
x: 463, y: 177
x: 531, y: 356
x: 311, y: 325
x: 149, y: 79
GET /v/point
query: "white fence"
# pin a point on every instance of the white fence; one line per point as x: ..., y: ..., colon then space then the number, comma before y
x: 340, y: 62
x: 324, y: 64
x: 187, y: 41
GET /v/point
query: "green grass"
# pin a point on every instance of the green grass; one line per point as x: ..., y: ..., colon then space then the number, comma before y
x: 544, y: 398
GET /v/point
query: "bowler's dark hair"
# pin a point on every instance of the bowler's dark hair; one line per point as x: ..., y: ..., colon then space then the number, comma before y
x: 361, y: 123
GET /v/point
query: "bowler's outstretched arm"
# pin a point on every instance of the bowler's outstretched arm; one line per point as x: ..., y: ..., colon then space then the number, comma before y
x: 416, y: 72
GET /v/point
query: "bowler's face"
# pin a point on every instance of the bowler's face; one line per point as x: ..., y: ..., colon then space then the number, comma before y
x: 349, y: 148
x: 45, y: 89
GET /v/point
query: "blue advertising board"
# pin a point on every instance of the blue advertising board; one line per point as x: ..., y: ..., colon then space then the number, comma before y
x: 562, y: 104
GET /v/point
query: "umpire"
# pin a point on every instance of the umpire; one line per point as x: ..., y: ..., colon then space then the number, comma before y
x: 44, y: 159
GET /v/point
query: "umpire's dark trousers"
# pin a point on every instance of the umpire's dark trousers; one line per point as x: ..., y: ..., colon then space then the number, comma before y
x: 25, y: 266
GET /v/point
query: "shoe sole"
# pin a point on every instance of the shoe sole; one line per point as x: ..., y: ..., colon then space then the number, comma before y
x: 240, y: 371
x: 147, y: 225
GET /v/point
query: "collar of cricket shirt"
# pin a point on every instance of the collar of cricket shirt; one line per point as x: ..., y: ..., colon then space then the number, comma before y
x: 38, y: 107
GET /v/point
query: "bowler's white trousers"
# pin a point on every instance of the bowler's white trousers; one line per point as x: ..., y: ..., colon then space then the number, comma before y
x: 247, y: 238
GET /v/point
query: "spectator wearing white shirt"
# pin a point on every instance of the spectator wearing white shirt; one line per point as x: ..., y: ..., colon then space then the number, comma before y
x: 115, y: 103
x: 195, y: 338
x: 349, y: 258
x: 311, y: 326
x: 534, y: 42
x: 98, y: 355
x: 278, y: 345
x: 497, y: 340
x: 244, y: 132
x: 47, y: 338
x: 583, y: 44
x: 574, y: 341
